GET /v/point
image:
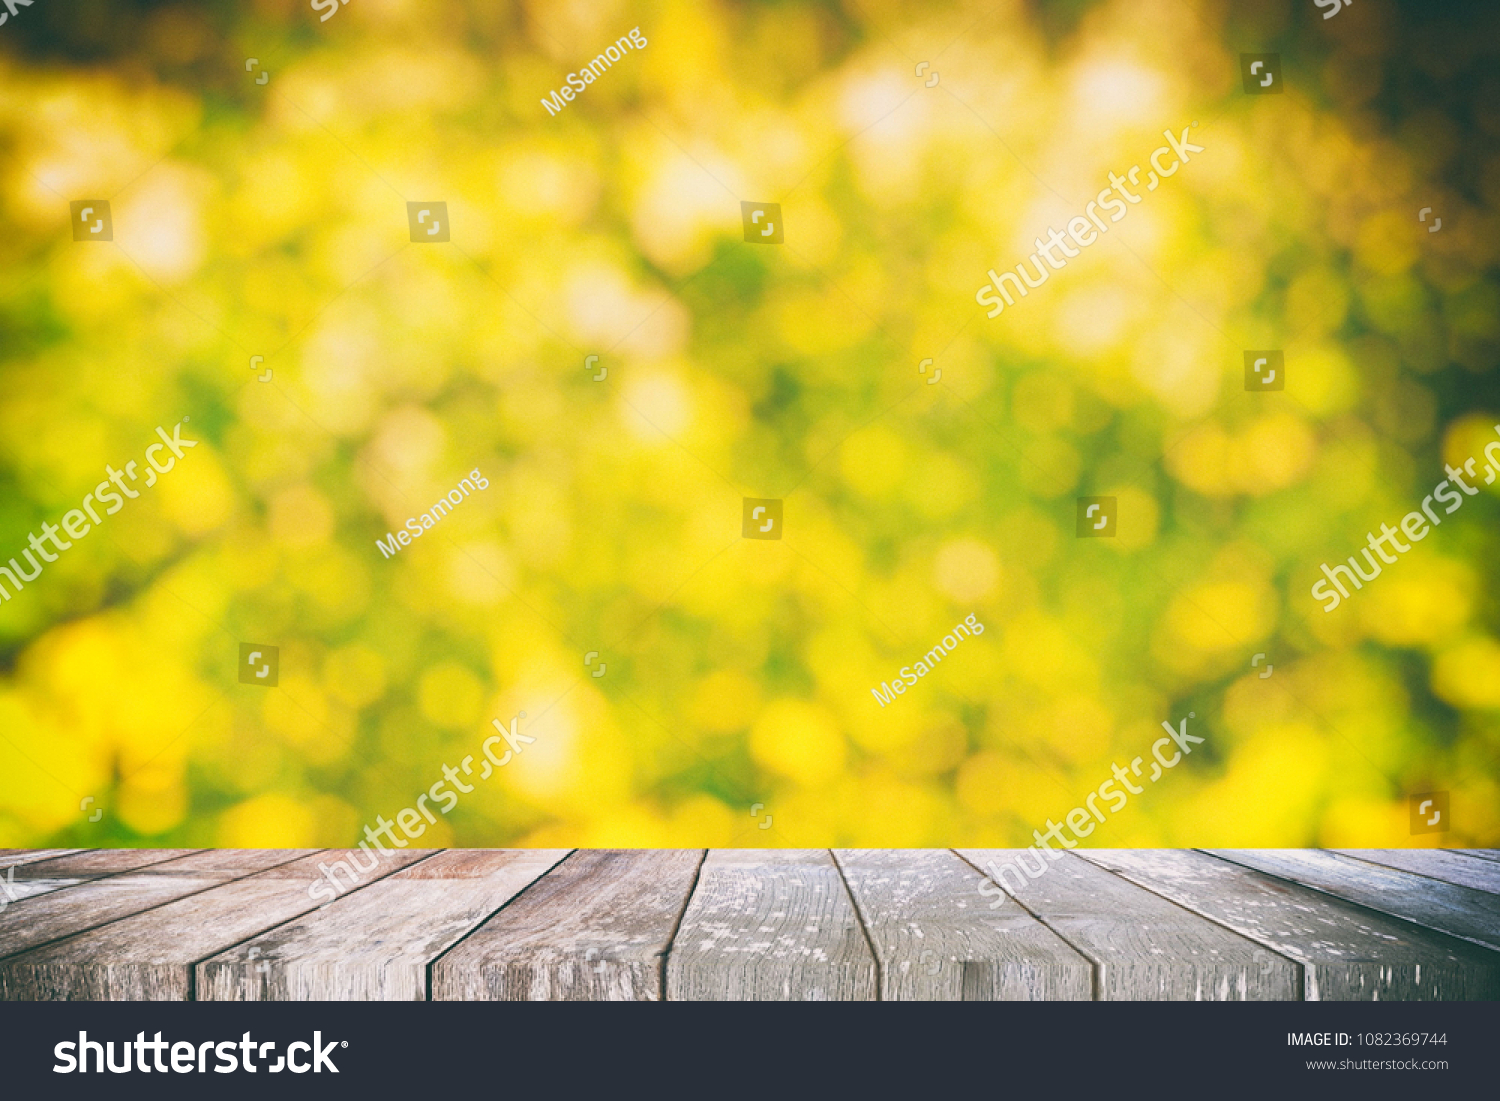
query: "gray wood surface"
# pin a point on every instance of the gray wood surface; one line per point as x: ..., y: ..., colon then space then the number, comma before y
x: 404, y: 922
x: 752, y: 924
x: 90, y: 902
x: 594, y: 928
x: 148, y: 955
x: 1461, y: 911
x: 938, y: 939
x: 1145, y: 948
x: 1347, y: 952
x: 1481, y: 875
x: 771, y: 925
x: 1479, y: 854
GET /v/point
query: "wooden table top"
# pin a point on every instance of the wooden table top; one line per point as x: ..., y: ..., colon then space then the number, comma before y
x: 761, y: 924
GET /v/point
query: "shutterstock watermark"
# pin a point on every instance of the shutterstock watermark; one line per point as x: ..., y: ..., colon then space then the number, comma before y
x: 1082, y: 821
x: 13, y: 7
x: 329, y: 8
x: 77, y: 525
x: 1082, y: 228
x: 410, y: 820
x: 1414, y: 525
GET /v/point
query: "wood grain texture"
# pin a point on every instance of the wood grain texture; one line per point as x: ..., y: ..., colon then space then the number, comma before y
x: 1472, y: 915
x: 60, y: 869
x: 771, y: 925
x: 757, y: 924
x: 150, y: 956
x: 17, y: 857
x: 1481, y: 875
x: 89, y: 863
x: 1347, y: 953
x: 91, y: 902
x: 937, y: 938
x: 403, y: 923
x: 1479, y: 854
x: 594, y: 928
x: 1144, y: 948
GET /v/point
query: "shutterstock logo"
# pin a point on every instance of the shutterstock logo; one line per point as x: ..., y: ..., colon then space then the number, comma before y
x: 427, y: 222
x: 187, y: 1058
x: 92, y: 220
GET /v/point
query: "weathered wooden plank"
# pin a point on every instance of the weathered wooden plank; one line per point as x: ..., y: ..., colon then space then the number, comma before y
x: 594, y: 928
x: 937, y: 938
x: 85, y: 905
x: 150, y: 956
x: 771, y: 925
x: 16, y: 857
x: 74, y: 866
x: 1479, y: 854
x: 1472, y: 915
x: 1481, y: 875
x: 1347, y: 952
x: 92, y: 863
x: 404, y: 922
x: 1144, y: 948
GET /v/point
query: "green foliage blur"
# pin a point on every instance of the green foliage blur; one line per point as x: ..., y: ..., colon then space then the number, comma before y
x: 270, y: 220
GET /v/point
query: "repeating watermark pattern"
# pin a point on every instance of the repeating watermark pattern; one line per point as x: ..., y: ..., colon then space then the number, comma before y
x: 418, y: 526
x: 1083, y: 820
x: 259, y: 664
x: 1096, y: 517
x: 762, y: 223
x: 1429, y: 813
x: 1086, y: 228
x: 75, y: 522
x: 577, y: 82
x: 92, y: 220
x: 1261, y: 73
x: 428, y: 222
x: 761, y: 518
x: 1414, y: 525
x: 413, y: 821
x: 175, y: 231
x: 1265, y: 371
x: 910, y: 674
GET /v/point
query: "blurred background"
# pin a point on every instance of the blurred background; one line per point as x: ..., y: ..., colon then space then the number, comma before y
x: 735, y: 707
